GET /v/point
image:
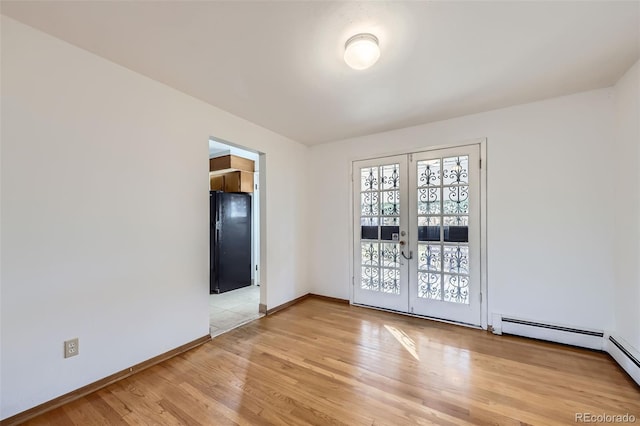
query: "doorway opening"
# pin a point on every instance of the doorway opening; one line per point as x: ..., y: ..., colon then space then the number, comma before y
x: 235, y: 285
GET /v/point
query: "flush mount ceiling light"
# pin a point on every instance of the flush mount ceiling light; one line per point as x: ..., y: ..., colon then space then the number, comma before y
x: 361, y: 51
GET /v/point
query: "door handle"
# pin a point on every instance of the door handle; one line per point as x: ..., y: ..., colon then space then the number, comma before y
x: 402, y: 243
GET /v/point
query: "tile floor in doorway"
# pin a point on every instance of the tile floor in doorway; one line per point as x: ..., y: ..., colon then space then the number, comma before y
x: 233, y: 308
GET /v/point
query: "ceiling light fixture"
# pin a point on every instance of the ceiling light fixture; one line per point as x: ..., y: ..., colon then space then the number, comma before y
x: 361, y: 51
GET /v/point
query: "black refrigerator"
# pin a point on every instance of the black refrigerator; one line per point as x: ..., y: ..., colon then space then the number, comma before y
x: 230, y: 240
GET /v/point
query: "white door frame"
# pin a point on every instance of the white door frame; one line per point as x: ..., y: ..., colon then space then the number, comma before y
x: 483, y: 219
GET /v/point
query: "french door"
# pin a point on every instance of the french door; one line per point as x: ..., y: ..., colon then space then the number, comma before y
x: 380, y: 207
x: 417, y: 233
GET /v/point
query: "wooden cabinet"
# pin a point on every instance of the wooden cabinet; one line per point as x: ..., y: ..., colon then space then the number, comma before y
x: 230, y: 163
x: 230, y: 173
x: 238, y: 181
x: 216, y: 183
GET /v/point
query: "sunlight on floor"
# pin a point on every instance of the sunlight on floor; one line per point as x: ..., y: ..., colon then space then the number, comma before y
x: 406, y: 341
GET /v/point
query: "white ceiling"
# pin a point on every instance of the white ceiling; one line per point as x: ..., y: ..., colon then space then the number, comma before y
x: 279, y: 64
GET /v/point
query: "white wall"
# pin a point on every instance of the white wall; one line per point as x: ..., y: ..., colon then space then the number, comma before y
x: 549, y: 220
x: 105, y: 216
x: 626, y: 185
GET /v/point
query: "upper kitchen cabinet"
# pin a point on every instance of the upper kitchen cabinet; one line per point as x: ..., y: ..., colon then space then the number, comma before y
x: 230, y: 173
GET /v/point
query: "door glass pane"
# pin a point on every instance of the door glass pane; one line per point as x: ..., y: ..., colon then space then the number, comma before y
x: 428, y: 228
x: 456, y: 259
x: 390, y: 281
x: 390, y: 221
x: 390, y: 255
x: 369, y: 228
x: 390, y: 203
x: 429, y: 173
x: 456, y: 288
x: 456, y: 221
x: 369, y: 179
x: 369, y: 204
x: 390, y: 229
x: 389, y: 233
x: 369, y: 278
x: 456, y: 170
x: 429, y: 286
x: 456, y: 234
x: 456, y: 200
x: 390, y: 176
x: 428, y: 200
x: 429, y: 257
x: 370, y: 254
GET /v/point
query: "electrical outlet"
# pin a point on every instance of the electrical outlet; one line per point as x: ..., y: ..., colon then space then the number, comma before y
x: 71, y: 348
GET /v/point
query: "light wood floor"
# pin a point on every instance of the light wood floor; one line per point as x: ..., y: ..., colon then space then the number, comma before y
x: 326, y: 363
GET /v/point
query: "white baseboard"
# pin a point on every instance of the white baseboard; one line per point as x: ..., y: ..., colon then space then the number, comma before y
x: 626, y: 355
x: 568, y: 335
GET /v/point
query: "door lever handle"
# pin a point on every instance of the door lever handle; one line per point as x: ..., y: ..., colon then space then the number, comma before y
x: 410, y: 254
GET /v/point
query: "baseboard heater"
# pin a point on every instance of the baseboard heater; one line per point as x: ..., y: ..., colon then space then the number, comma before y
x: 592, y: 339
x: 628, y: 358
x: 621, y: 351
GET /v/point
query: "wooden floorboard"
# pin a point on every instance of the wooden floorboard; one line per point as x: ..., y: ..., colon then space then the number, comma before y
x: 320, y: 362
